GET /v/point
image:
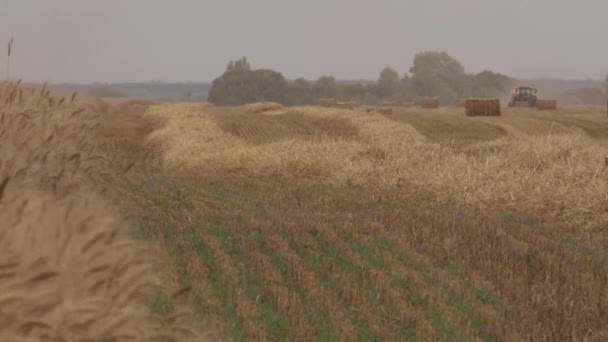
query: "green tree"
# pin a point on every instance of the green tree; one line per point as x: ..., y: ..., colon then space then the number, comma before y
x: 405, y: 92
x: 240, y: 85
x: 238, y: 65
x: 487, y: 84
x: 388, y: 83
x: 300, y: 93
x: 438, y: 74
x: 325, y: 86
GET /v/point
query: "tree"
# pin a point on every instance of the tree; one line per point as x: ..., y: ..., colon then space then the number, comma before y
x: 105, y: 90
x: 591, y: 96
x: 438, y: 74
x: 325, y: 86
x: 487, y: 84
x: 238, y: 65
x: 240, y: 85
x: 299, y: 92
x: 388, y: 83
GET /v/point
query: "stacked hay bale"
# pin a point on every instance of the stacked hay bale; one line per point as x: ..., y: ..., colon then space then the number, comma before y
x: 327, y: 102
x: 546, y: 104
x: 482, y: 107
x: 346, y: 105
x: 429, y: 102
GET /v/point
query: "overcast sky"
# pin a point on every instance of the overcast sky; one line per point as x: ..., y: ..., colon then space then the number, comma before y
x: 193, y: 40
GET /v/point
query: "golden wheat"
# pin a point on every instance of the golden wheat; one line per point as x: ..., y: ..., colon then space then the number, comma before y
x: 261, y: 107
x: 67, y: 269
x: 541, y: 174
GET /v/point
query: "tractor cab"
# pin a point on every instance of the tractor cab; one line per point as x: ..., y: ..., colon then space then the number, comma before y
x: 525, y: 91
x: 523, y: 96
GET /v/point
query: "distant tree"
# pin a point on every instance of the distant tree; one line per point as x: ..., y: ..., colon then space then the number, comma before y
x: 103, y: 90
x: 325, y: 86
x: 240, y: 85
x: 388, y: 83
x: 300, y: 93
x: 405, y: 92
x: 487, y: 84
x: 591, y: 96
x: 238, y: 65
x: 352, y: 92
x: 186, y: 96
x: 438, y: 74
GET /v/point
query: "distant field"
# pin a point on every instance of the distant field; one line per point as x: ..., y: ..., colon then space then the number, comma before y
x: 324, y: 224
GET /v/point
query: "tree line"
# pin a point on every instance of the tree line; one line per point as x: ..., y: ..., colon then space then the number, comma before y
x: 433, y: 74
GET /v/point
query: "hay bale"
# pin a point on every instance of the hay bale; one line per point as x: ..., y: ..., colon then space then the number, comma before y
x: 345, y: 105
x: 546, y: 104
x: 430, y: 102
x: 385, y: 110
x: 482, y: 107
x: 327, y: 102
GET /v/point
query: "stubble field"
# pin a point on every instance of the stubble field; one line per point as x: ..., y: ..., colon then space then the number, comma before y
x: 324, y: 224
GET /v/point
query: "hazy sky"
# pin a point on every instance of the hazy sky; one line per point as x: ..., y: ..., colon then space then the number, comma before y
x: 193, y: 40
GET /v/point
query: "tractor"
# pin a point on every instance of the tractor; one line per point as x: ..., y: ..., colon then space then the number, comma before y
x: 523, y: 97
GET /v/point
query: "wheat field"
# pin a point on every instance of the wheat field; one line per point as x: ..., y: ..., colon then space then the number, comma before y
x: 265, y: 222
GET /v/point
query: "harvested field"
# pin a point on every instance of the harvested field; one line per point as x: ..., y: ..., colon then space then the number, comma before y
x: 264, y: 129
x: 380, y: 110
x: 431, y: 234
x: 450, y: 126
x: 345, y: 105
x: 332, y: 224
x: 262, y: 107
